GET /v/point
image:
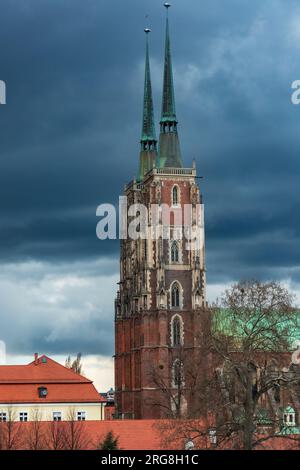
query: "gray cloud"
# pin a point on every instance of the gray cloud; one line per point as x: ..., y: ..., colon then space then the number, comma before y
x: 70, y: 136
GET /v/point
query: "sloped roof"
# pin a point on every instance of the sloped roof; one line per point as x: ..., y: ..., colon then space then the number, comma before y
x: 19, y: 384
x: 46, y: 370
x: 131, y: 434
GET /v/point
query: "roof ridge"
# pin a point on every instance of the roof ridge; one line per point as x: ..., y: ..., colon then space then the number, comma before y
x: 57, y: 364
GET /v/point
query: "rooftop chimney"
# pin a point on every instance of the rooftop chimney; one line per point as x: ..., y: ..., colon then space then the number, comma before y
x: 36, y: 358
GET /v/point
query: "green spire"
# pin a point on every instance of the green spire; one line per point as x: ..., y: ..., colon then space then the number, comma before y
x: 148, y: 153
x: 169, y: 146
x: 168, y: 112
x: 148, y: 131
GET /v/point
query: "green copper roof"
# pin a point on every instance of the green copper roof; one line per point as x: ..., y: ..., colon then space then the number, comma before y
x: 169, y: 147
x: 168, y: 112
x: 289, y: 430
x: 148, y: 152
x: 148, y: 130
x: 224, y: 322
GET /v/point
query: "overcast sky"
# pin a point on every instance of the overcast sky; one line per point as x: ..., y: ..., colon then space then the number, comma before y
x: 69, y: 140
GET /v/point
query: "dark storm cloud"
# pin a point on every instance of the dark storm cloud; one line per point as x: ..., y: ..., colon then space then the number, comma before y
x: 70, y: 129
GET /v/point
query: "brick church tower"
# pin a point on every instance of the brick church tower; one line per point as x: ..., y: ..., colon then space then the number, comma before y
x: 161, y: 296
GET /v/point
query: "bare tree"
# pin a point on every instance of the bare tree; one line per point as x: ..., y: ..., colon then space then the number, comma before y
x: 182, y: 384
x: 11, y: 434
x: 74, y: 432
x: 55, y: 435
x: 254, y: 326
x: 34, y: 437
x: 75, y: 365
x: 171, y: 386
x: 242, y: 375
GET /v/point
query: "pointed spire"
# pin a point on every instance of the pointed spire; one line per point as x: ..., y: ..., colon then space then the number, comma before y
x: 148, y: 140
x: 148, y: 131
x: 169, y: 146
x: 168, y: 112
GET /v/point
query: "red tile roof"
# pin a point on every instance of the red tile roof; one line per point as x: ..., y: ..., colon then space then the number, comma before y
x: 44, y: 371
x: 132, y: 435
x: 19, y: 384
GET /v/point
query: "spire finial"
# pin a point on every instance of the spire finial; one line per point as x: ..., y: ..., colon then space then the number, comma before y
x: 148, y: 138
x: 169, y: 151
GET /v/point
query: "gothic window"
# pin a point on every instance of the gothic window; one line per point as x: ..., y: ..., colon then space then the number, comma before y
x: 175, y: 295
x: 174, y: 252
x: 177, y: 373
x: 176, y: 331
x: 175, y: 198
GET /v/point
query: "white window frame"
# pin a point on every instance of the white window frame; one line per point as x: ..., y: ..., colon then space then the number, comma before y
x: 3, y: 417
x: 55, y: 415
x: 289, y: 419
x: 79, y: 415
x: 23, y: 416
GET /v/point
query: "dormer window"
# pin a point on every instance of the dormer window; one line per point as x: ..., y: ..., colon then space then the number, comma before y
x: 289, y: 417
x: 43, y: 392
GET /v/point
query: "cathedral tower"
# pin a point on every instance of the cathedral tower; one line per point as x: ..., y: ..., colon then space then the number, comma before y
x: 161, y: 296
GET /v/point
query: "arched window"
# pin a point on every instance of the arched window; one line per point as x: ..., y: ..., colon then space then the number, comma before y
x: 174, y: 252
x: 175, y: 196
x: 176, y: 332
x: 178, y: 373
x: 175, y: 295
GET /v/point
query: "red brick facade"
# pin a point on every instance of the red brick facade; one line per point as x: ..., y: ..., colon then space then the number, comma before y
x: 147, y: 304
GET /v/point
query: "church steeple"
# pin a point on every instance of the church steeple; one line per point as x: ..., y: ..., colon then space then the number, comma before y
x: 148, y: 153
x: 169, y: 147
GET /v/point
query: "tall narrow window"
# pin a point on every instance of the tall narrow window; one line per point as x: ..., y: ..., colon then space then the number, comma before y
x: 175, y: 295
x: 176, y: 332
x: 178, y: 373
x: 174, y: 252
x: 175, y: 196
